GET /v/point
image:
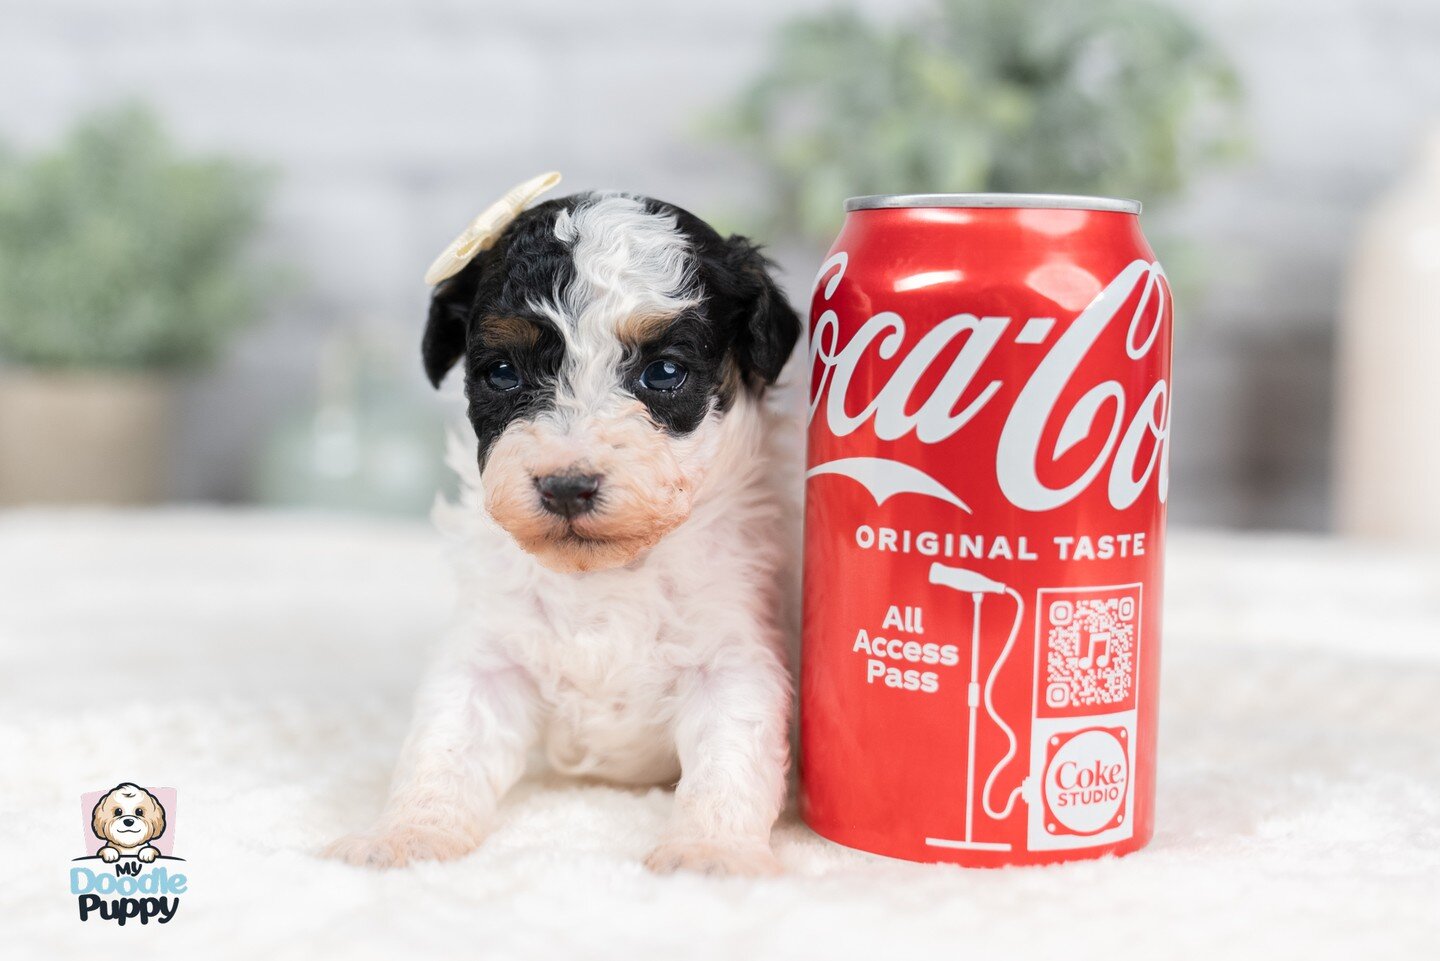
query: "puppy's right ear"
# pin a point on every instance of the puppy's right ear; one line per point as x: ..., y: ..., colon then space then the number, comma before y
x: 450, y: 305
x: 155, y: 816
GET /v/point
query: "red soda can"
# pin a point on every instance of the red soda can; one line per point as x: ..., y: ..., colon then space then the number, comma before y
x: 984, y: 529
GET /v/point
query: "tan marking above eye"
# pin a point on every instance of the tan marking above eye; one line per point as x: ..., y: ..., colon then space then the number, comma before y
x: 642, y: 327
x: 509, y: 331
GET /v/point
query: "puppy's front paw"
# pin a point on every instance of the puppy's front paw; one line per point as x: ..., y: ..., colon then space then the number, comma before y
x: 711, y: 857
x: 148, y: 854
x: 109, y: 855
x: 395, y: 847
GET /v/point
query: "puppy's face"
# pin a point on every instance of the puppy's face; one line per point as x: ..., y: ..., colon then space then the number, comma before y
x: 605, y: 337
x: 128, y: 817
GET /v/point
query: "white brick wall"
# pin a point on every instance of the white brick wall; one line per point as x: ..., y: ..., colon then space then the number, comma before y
x: 391, y: 122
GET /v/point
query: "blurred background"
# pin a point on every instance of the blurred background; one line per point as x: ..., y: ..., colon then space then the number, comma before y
x: 214, y: 218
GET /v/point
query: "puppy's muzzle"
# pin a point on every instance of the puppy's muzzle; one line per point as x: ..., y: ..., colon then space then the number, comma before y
x: 568, y: 495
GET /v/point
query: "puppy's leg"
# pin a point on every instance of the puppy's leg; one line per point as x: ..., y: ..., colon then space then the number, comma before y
x: 473, y: 726
x: 731, y: 735
x: 148, y: 853
x: 108, y: 854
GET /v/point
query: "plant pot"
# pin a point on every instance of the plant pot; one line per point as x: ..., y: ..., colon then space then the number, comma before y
x: 87, y: 437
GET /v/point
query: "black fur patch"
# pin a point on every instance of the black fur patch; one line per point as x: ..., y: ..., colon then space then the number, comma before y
x: 538, y: 363
x: 752, y: 322
x: 690, y: 342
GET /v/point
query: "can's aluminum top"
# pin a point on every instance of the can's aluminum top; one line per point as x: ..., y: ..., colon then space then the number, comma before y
x: 1051, y: 201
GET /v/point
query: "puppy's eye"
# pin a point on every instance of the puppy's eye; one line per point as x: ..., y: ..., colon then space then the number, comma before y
x: 139, y: 812
x: 119, y: 811
x: 502, y: 376
x: 663, y: 375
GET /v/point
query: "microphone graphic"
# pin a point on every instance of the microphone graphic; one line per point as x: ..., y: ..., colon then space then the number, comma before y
x: 977, y: 585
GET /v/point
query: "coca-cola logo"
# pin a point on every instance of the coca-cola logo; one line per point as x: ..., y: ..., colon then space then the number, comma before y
x: 1135, y: 448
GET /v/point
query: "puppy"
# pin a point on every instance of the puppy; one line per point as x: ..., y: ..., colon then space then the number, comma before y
x: 619, y: 533
x: 127, y: 819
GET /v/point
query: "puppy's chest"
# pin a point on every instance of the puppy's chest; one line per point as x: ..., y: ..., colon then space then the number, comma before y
x: 602, y: 665
x: 607, y: 686
x: 606, y: 653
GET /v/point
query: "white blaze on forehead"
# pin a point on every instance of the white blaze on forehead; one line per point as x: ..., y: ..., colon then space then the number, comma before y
x: 628, y: 262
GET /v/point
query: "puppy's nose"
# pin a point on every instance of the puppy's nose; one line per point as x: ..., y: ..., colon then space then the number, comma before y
x: 568, y: 494
x: 129, y: 822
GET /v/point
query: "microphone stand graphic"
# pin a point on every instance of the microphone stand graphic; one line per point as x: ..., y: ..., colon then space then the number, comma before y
x: 978, y: 586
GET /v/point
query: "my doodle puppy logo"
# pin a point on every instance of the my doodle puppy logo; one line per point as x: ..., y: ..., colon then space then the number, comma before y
x: 129, y: 830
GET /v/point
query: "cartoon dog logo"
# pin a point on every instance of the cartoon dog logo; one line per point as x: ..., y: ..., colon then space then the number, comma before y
x: 127, y: 819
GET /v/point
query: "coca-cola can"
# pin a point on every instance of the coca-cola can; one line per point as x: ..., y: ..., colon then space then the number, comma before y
x: 988, y: 453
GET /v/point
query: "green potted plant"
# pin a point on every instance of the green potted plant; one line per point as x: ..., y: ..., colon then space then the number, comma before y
x: 1119, y: 97
x: 123, y: 261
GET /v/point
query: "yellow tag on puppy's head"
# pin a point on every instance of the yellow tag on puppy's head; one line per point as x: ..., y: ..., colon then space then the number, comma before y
x: 485, y: 229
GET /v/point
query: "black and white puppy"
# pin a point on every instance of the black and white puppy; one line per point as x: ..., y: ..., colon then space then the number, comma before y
x: 620, y: 558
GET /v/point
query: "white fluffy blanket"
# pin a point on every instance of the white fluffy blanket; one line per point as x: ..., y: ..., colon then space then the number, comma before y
x: 262, y: 664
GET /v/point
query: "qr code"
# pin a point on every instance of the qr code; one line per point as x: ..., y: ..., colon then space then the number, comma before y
x: 1090, y: 650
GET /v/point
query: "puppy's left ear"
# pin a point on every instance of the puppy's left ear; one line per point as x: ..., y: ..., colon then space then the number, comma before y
x: 450, y: 304
x: 769, y: 325
x: 156, y: 816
